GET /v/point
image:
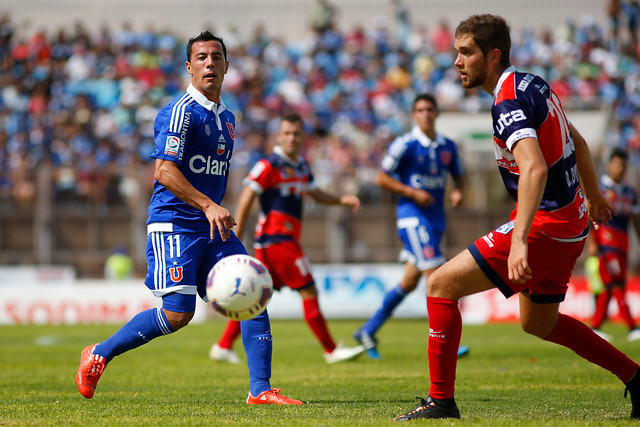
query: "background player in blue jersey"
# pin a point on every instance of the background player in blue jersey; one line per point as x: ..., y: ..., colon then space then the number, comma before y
x: 416, y: 167
x: 188, y: 230
x: 547, y: 168
x: 281, y: 181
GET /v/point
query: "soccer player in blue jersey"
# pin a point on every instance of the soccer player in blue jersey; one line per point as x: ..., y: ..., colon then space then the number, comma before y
x: 416, y: 166
x: 547, y: 169
x: 188, y: 230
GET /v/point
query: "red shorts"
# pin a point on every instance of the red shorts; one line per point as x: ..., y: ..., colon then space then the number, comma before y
x: 551, y: 263
x: 613, y: 268
x: 286, y: 263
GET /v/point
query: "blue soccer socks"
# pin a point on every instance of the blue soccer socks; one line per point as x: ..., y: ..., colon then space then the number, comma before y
x: 258, y: 346
x: 141, y: 329
x: 391, y: 300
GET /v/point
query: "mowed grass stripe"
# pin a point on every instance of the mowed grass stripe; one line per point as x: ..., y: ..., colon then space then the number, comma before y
x: 509, y: 378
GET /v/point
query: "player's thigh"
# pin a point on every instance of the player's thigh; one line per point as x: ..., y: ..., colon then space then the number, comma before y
x: 458, y: 277
x: 173, y: 259
x: 537, y: 319
x: 411, y: 276
x: 613, y: 267
x: 214, y: 252
x: 287, y: 264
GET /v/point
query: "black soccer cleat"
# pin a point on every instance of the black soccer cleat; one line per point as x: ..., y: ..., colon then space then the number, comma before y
x: 633, y: 388
x: 432, y: 408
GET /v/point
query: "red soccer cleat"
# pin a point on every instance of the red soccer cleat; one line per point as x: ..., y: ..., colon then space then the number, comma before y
x: 91, y: 367
x: 271, y: 397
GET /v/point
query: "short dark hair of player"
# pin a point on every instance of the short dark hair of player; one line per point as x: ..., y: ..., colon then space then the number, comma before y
x: 205, y: 36
x: 620, y: 153
x: 425, y: 97
x: 293, y: 118
x: 488, y: 32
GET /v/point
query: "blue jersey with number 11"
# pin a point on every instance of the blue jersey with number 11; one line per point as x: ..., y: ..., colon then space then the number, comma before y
x: 197, y: 135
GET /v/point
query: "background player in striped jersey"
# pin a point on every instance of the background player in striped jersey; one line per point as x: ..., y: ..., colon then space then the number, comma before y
x: 611, y: 244
x: 188, y: 230
x: 416, y: 166
x: 547, y: 168
x: 281, y: 181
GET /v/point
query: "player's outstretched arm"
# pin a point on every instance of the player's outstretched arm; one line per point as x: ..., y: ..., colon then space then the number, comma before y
x: 456, y: 194
x: 168, y: 174
x: 245, y: 201
x: 600, y: 211
x: 389, y: 183
x: 325, y: 198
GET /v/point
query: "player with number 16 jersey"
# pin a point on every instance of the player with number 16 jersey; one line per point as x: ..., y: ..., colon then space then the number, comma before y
x: 526, y: 107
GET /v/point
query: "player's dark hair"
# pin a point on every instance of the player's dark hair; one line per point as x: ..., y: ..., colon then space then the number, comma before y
x: 620, y: 153
x: 425, y: 97
x: 488, y: 32
x: 292, y: 118
x: 205, y: 36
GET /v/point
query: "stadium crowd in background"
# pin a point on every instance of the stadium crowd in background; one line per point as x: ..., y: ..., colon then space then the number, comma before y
x: 83, y: 102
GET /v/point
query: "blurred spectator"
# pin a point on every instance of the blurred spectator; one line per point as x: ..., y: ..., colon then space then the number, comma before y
x: 119, y: 265
x: 85, y: 102
x: 323, y: 16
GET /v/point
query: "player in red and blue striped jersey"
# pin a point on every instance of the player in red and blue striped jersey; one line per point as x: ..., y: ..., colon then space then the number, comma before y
x: 611, y: 244
x: 547, y: 168
x: 281, y: 181
x: 188, y: 230
x: 416, y: 167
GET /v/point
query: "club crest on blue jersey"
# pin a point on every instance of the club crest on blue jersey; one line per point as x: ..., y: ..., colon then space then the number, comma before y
x: 221, y: 145
x: 445, y: 157
x: 207, y: 130
x: 172, y: 146
x: 176, y: 274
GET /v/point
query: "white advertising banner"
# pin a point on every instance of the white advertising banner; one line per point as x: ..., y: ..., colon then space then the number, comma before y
x: 346, y: 291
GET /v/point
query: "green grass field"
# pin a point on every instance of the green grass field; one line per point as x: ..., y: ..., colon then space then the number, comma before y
x: 508, y: 379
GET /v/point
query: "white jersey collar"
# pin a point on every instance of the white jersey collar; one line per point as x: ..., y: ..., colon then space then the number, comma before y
x: 606, y: 180
x: 506, y: 73
x: 216, y: 109
x: 423, y: 139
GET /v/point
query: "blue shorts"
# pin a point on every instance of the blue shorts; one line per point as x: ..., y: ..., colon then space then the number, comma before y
x: 178, y: 265
x: 421, y: 243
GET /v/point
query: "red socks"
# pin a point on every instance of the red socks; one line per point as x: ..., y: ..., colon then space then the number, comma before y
x: 619, y: 295
x: 445, y: 329
x: 602, y: 304
x: 231, y: 332
x: 318, y: 325
x: 577, y: 336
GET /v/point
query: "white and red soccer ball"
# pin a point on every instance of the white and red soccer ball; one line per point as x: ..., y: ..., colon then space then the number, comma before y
x: 239, y: 287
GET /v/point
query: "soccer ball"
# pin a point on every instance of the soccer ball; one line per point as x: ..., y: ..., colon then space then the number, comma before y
x: 239, y: 287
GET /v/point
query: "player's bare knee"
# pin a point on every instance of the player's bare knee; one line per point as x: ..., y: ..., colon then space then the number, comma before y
x: 178, y: 320
x: 535, y: 329
x: 438, y: 286
x: 409, y: 285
